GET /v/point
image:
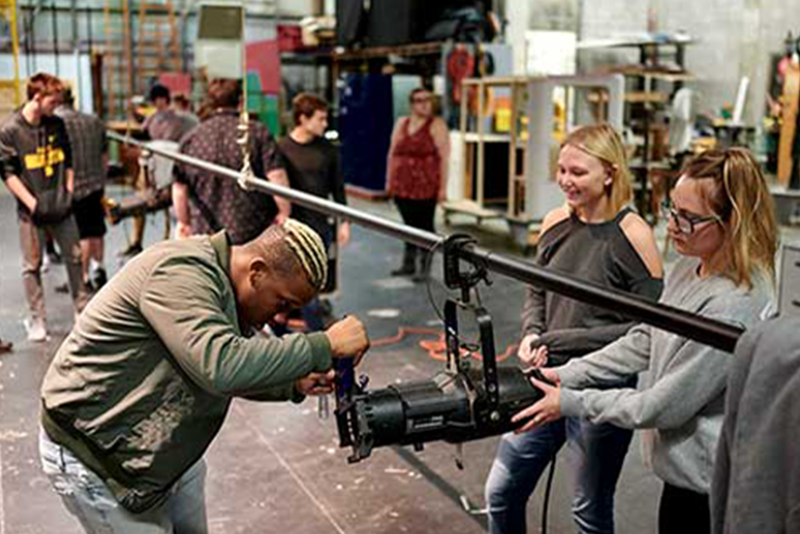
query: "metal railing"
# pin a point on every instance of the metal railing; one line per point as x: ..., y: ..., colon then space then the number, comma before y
x: 710, y: 332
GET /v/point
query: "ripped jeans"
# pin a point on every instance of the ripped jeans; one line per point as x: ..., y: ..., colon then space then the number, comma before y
x: 88, y: 498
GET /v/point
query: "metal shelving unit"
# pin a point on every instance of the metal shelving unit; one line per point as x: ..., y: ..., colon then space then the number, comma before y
x: 533, y: 135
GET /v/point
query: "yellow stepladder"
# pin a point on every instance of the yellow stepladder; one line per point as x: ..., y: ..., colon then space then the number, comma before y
x: 8, y: 12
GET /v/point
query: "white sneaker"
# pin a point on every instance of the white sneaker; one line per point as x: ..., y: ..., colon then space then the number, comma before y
x: 37, y: 332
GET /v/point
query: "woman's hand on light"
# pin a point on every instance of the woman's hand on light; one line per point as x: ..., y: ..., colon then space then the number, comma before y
x: 545, y: 410
x: 532, y: 357
x: 550, y: 375
x: 524, y: 351
x: 539, y: 357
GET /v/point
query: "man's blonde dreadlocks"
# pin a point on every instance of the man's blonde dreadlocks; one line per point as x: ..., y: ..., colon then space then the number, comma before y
x: 293, y: 245
x: 309, y: 250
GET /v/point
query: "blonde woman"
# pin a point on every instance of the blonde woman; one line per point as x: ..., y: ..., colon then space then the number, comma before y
x: 722, y: 221
x: 595, y: 236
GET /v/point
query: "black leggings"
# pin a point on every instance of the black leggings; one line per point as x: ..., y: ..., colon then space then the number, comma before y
x: 417, y: 213
x: 683, y: 511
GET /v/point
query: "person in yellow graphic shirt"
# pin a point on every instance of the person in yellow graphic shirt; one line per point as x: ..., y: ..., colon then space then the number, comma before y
x: 36, y: 163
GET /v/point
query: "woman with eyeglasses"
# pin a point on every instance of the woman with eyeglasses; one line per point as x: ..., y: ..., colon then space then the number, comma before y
x: 722, y: 221
x: 596, y: 237
x: 417, y: 175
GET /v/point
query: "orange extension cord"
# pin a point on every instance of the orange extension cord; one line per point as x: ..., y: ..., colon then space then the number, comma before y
x: 435, y: 348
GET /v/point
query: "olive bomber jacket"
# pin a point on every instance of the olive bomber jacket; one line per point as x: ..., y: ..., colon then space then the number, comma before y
x: 141, y: 386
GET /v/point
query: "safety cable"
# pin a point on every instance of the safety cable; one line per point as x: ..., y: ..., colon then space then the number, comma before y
x: 548, y: 487
x: 246, y: 172
x: 435, y: 348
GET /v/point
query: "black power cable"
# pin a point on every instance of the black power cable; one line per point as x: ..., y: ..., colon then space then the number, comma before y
x: 548, y: 487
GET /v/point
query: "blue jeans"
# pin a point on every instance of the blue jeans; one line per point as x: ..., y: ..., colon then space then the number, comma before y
x: 313, y: 316
x: 521, y: 459
x: 88, y: 498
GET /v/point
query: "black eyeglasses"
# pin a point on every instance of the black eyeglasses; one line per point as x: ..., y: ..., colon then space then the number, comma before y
x: 686, y: 223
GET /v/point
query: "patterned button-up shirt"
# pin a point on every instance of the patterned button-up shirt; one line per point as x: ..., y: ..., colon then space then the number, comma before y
x: 87, y: 136
x: 217, y: 202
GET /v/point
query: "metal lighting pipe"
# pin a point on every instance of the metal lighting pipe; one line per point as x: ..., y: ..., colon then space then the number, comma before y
x: 54, y: 25
x: 686, y: 324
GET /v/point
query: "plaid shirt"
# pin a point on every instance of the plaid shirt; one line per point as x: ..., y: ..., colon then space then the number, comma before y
x: 87, y: 135
x: 216, y: 202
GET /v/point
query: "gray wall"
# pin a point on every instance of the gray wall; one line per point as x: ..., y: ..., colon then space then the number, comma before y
x: 735, y: 39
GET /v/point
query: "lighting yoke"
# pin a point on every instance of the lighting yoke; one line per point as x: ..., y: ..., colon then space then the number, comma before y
x: 458, y: 404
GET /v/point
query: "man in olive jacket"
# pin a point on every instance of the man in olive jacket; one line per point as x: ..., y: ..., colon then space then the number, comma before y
x: 140, y: 387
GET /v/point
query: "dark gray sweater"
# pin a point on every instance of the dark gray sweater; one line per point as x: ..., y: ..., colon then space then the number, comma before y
x: 598, y: 253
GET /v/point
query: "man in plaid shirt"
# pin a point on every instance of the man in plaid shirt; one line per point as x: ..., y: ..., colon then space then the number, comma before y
x: 87, y: 136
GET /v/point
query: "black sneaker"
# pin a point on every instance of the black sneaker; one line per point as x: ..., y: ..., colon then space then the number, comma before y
x: 132, y: 250
x: 62, y: 288
x: 55, y: 258
x: 405, y: 270
x: 420, y: 277
x: 99, y: 278
x: 52, y: 254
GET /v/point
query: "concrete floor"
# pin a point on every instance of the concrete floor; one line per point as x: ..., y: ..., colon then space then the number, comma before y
x: 277, y: 467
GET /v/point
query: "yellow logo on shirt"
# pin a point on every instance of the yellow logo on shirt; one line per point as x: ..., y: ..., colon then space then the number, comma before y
x: 44, y: 159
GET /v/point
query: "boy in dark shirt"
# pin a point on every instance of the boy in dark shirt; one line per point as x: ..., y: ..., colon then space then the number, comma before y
x: 312, y: 164
x: 37, y: 169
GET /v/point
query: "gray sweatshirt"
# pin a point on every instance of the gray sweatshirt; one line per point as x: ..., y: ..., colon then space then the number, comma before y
x: 39, y: 155
x: 681, y: 393
x: 757, y: 477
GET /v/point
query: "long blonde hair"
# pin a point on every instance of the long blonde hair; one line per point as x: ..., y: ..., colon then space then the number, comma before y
x: 602, y: 141
x: 742, y: 200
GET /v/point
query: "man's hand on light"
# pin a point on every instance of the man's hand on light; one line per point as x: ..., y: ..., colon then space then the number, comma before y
x: 348, y: 339
x: 315, y: 384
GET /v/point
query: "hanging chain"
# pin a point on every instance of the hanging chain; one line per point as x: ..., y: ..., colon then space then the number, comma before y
x: 246, y: 173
